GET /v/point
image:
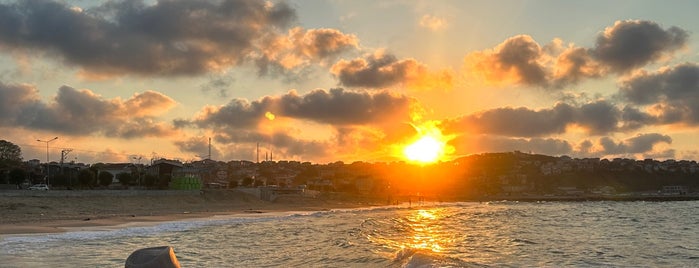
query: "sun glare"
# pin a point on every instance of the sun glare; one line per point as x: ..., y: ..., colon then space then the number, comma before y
x: 428, y: 145
x: 427, y: 149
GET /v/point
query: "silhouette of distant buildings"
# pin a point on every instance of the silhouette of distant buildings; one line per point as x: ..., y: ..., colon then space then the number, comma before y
x: 508, y: 174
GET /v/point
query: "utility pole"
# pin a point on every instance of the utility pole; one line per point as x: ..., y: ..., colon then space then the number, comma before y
x: 65, y: 153
x: 138, y: 168
x: 48, y: 168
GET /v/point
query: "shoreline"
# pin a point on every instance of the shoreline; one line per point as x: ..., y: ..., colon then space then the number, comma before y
x: 39, y: 212
x: 33, y: 212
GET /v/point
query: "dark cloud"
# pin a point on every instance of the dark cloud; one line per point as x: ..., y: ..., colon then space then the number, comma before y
x: 199, y: 147
x: 596, y: 117
x: 488, y: 143
x: 237, y: 113
x: 121, y: 37
x: 334, y: 107
x: 82, y: 112
x: 521, y: 122
x: 292, y: 147
x: 631, y: 44
x: 381, y: 70
x: 341, y: 107
x: 375, y: 71
x: 621, y: 48
x: 640, y: 144
x: 672, y: 93
x: 17, y: 103
x: 634, y: 118
x: 281, y: 144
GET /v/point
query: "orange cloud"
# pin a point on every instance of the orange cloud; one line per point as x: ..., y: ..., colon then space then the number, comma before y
x: 301, y: 47
x: 517, y: 60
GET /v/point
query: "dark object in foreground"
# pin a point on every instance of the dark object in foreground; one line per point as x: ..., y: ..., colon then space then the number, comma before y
x: 153, y: 257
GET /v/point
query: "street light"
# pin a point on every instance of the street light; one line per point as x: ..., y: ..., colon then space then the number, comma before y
x: 138, y: 168
x: 48, y: 169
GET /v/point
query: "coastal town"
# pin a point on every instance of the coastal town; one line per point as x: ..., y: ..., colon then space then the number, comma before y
x: 513, y: 175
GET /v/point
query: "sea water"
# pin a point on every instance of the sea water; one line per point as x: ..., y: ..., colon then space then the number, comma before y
x: 471, y: 234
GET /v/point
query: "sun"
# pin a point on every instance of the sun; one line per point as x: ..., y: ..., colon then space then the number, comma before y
x: 428, y: 145
x: 426, y: 150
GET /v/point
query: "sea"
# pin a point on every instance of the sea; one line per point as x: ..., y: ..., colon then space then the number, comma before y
x: 468, y: 234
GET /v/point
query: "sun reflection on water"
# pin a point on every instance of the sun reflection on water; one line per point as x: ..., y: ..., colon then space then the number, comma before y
x: 426, y: 231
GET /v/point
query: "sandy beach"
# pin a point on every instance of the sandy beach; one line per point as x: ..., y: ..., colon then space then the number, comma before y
x: 28, y: 212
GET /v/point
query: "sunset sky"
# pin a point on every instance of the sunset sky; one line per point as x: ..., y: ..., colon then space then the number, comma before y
x: 326, y: 81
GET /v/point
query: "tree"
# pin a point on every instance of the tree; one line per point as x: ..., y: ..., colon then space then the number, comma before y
x: 10, y: 154
x: 105, y: 178
x: 86, y: 177
x: 17, y: 176
x: 59, y: 180
x: 125, y: 178
x: 149, y: 180
x: 247, y: 181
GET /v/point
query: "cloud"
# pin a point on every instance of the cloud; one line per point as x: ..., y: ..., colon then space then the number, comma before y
x: 632, y: 43
x: 574, y: 65
x: 622, y: 48
x: 178, y: 37
x: 672, y: 94
x: 433, y: 23
x: 642, y: 143
x: 16, y: 101
x: 334, y: 107
x: 382, y: 70
x: 356, y: 122
x: 301, y: 47
x: 596, y: 117
x: 199, y: 146
x: 219, y: 84
x: 517, y: 60
x: 340, y: 107
x: 521, y: 122
x: 238, y: 113
x: 81, y: 112
x: 634, y: 118
x: 282, y: 144
x: 292, y: 147
x: 489, y: 143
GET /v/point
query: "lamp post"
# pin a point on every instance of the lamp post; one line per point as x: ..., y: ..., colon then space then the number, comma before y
x: 138, y: 168
x: 48, y: 168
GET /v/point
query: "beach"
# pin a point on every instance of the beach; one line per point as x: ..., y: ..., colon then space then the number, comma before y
x: 28, y: 212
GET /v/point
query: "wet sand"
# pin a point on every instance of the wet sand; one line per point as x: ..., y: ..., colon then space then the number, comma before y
x: 60, y: 211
